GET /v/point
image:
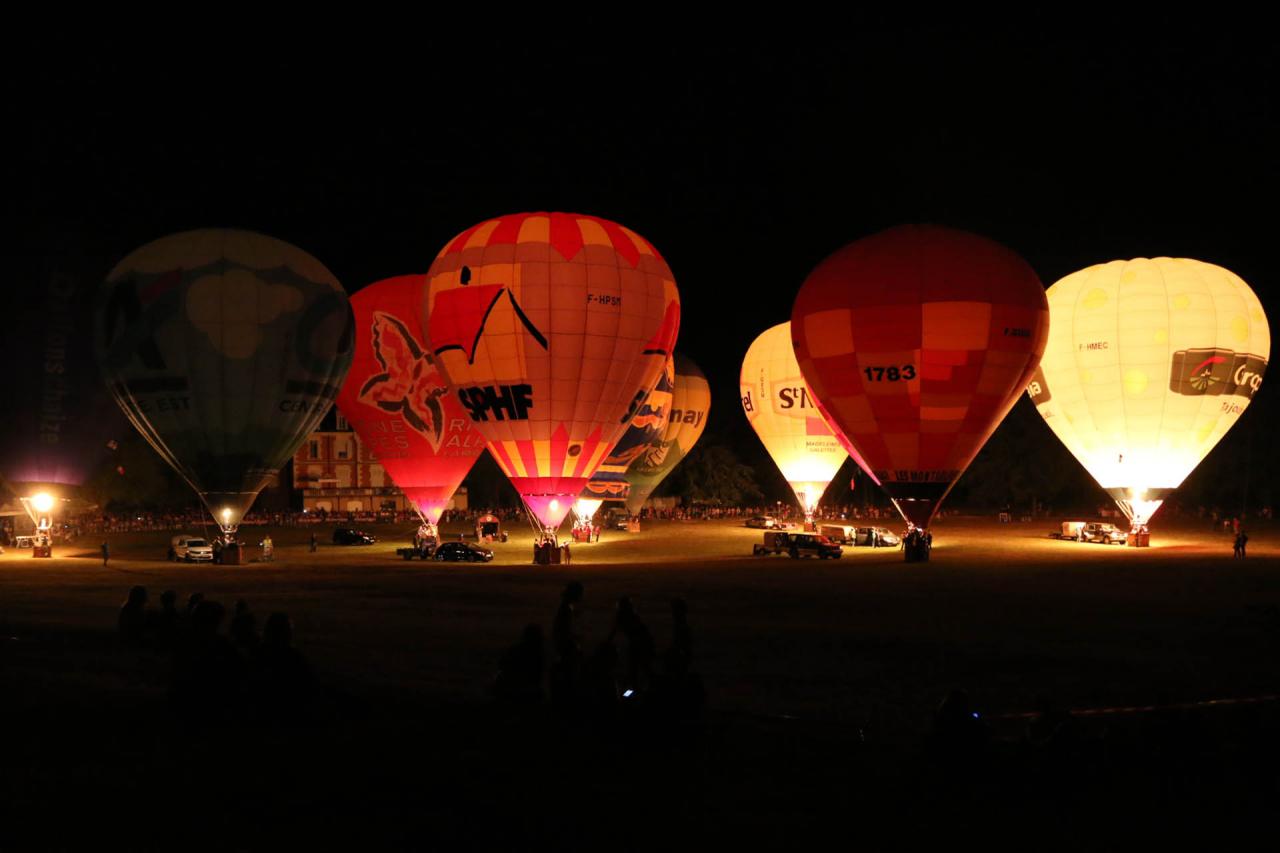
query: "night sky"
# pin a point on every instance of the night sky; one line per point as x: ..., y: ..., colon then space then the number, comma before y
x: 744, y: 160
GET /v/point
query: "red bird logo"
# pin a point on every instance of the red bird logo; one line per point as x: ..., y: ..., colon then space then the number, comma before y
x: 410, y: 384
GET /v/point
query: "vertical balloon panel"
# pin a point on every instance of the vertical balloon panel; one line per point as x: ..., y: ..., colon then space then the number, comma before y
x: 553, y: 328
x: 224, y: 348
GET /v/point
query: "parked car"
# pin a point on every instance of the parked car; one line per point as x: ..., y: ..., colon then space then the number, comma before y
x: 812, y: 545
x: 764, y: 522
x: 351, y: 536
x: 190, y: 548
x: 863, y: 536
x: 454, y: 552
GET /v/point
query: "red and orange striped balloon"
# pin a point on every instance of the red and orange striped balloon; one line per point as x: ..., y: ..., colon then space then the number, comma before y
x: 553, y: 328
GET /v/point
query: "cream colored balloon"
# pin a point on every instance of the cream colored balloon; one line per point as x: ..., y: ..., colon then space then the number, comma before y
x: 1149, y: 363
x: 783, y: 412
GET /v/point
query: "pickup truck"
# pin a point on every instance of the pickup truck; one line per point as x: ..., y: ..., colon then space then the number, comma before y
x: 1090, y: 531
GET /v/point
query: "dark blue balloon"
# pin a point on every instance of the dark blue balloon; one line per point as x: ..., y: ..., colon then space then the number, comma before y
x: 58, y: 420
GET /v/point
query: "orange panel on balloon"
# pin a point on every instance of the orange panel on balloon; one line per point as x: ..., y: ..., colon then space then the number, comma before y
x: 553, y: 327
x: 917, y: 341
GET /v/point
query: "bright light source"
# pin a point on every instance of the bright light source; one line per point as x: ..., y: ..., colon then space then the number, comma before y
x: 42, y: 502
x: 555, y: 505
x: 226, y: 514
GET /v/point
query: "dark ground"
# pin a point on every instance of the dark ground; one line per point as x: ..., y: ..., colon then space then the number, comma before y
x: 821, y: 680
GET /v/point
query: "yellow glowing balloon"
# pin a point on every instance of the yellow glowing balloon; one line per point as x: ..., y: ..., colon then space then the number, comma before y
x: 1149, y: 363
x: 785, y: 415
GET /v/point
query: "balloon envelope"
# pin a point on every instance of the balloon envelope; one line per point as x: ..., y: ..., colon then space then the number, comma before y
x: 553, y: 327
x: 918, y: 340
x: 397, y: 401
x: 61, y: 422
x: 224, y: 348
x: 687, y: 418
x: 783, y: 412
x: 1149, y: 363
x: 610, y: 481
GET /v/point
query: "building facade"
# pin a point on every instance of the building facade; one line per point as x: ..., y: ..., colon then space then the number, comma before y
x: 336, y: 472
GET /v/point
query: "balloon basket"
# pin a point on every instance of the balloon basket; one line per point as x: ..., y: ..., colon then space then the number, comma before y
x: 233, y: 555
x: 42, y: 551
x: 545, y: 555
x: 633, y: 525
x: 1141, y: 539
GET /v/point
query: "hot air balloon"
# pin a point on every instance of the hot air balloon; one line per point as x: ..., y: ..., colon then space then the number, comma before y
x: 1149, y: 363
x: 785, y: 415
x: 610, y: 482
x: 553, y: 327
x: 62, y: 423
x: 687, y: 418
x: 918, y: 340
x: 224, y: 348
x: 399, y: 404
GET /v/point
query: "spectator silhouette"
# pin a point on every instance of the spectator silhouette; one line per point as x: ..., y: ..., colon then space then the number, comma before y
x: 520, y: 671
x: 281, y: 677
x: 566, y: 641
x: 165, y: 623
x: 132, y: 621
x: 600, y: 682
x: 640, y: 646
x: 244, y: 630
x: 959, y: 736
x: 208, y: 676
x: 679, y: 657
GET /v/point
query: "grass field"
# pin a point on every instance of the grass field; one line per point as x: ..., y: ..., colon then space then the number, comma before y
x: 797, y: 657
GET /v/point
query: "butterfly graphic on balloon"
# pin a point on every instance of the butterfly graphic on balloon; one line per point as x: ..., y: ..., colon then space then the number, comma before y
x: 410, y: 384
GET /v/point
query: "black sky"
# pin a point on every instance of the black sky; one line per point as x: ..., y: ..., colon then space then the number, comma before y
x: 744, y: 162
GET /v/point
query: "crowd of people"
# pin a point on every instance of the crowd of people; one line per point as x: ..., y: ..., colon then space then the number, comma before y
x: 595, y: 683
x: 237, y: 675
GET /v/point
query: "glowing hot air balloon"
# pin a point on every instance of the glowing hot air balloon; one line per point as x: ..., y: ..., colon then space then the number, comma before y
x: 224, y: 348
x: 918, y: 340
x: 783, y: 412
x: 397, y: 401
x: 687, y: 418
x: 61, y: 423
x: 553, y: 327
x: 1149, y: 363
x: 610, y: 482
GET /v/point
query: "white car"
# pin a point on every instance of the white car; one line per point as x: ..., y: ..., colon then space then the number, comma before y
x: 191, y: 549
x: 887, y: 539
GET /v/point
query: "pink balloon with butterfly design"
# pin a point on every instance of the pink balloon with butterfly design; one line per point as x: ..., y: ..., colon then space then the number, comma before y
x: 400, y: 405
